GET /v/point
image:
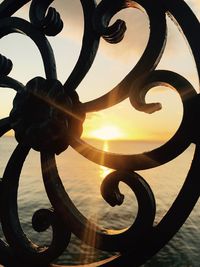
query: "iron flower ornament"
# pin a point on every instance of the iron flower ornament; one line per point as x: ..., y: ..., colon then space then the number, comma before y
x: 47, y: 116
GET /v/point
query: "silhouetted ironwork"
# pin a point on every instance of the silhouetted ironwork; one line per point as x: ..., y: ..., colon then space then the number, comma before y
x: 48, y: 116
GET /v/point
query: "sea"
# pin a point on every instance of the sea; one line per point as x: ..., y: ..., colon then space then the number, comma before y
x: 82, y: 180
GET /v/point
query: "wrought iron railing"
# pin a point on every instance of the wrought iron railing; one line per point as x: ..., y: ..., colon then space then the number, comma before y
x: 48, y: 116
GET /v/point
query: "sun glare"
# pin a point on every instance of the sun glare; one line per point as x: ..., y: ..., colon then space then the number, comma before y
x: 107, y: 133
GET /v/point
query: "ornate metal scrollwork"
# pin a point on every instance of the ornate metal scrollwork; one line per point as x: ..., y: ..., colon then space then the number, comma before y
x: 48, y: 116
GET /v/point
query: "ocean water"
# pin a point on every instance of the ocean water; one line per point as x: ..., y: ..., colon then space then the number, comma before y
x: 82, y: 180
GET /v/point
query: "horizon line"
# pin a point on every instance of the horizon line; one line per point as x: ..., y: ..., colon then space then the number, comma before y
x: 109, y: 140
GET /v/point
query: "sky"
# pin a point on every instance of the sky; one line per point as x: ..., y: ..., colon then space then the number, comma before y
x: 111, y: 65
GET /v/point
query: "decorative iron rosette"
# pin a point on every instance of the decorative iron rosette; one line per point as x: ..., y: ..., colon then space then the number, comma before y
x: 48, y: 116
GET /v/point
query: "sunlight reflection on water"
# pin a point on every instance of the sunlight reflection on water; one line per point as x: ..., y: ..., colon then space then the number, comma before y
x: 104, y: 171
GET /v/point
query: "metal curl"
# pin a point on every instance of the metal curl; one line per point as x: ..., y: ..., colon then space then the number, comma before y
x: 41, y: 220
x: 51, y: 23
x: 150, y: 57
x: 105, y: 239
x: 115, y: 33
x: 166, y: 78
x: 145, y: 198
x: 170, y: 223
x: 13, y: 24
x: 103, y: 14
x: 22, y: 247
x: 5, y: 66
x: 171, y: 149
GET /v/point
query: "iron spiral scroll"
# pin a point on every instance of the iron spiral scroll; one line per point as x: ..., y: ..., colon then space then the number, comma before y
x: 48, y: 116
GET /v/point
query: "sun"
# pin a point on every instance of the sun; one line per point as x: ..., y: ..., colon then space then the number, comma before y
x: 107, y: 133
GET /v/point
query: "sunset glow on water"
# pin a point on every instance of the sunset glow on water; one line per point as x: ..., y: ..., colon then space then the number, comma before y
x: 82, y: 180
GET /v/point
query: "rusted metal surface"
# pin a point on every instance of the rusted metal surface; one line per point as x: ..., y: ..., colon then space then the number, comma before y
x: 48, y: 116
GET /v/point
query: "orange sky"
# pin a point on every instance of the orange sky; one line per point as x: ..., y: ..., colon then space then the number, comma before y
x: 112, y: 63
